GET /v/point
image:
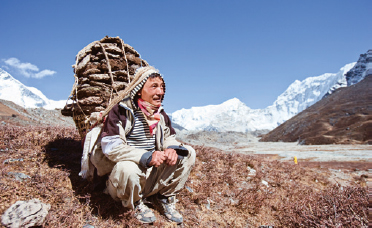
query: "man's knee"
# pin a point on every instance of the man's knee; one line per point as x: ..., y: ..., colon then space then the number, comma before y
x: 126, y: 172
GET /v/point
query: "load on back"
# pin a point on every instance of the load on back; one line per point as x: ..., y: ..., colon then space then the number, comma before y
x: 103, y: 72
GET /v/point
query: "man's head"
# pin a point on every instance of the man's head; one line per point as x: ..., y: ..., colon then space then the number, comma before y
x: 153, y: 90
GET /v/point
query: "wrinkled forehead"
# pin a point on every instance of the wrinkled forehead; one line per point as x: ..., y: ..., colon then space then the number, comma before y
x: 155, y: 79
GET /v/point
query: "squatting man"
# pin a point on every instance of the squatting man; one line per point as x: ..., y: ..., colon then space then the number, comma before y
x: 138, y: 149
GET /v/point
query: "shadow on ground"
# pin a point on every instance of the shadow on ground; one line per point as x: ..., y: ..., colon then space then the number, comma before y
x: 65, y: 154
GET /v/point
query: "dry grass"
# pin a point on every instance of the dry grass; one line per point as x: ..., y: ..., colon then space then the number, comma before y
x: 221, y: 190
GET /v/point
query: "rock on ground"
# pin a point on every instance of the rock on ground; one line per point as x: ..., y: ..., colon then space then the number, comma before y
x: 25, y: 214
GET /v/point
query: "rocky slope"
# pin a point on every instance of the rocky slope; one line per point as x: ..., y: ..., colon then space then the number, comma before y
x: 362, y: 68
x: 344, y: 117
x: 11, y: 113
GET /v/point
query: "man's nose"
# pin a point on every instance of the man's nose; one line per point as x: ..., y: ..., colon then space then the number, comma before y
x: 160, y: 91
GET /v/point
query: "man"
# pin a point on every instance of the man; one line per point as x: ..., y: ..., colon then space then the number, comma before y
x: 141, y: 153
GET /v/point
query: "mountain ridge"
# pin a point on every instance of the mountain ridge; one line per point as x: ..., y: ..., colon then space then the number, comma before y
x: 231, y: 115
x: 297, y: 97
x: 344, y: 117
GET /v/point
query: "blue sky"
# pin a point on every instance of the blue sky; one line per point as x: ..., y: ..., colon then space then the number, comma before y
x: 208, y: 51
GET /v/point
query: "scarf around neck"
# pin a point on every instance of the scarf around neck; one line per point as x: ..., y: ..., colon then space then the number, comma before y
x: 151, y: 112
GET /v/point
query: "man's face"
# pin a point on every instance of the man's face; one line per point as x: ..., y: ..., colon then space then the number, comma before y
x: 153, y: 91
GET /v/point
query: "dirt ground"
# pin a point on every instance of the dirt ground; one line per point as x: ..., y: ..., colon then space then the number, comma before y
x: 224, y: 189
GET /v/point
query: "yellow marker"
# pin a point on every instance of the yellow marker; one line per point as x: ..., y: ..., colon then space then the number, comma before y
x: 295, y: 159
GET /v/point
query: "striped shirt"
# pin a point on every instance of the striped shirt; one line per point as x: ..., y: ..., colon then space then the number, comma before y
x: 140, y: 136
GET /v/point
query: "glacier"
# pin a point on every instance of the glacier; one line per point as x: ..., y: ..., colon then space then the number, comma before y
x: 234, y: 115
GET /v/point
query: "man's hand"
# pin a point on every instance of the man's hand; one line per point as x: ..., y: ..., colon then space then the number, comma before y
x: 171, y: 156
x: 158, y: 158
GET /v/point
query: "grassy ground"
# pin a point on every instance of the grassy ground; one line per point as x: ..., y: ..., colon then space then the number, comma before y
x: 223, y: 190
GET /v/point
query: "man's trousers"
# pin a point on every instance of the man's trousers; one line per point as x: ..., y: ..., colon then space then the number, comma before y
x: 129, y: 182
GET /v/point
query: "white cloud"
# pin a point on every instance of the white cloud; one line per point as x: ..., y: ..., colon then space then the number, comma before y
x: 27, y: 69
x: 44, y: 73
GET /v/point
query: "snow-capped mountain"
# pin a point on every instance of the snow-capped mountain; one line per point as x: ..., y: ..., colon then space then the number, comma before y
x: 234, y: 115
x: 228, y: 116
x: 362, y: 68
x: 28, y: 97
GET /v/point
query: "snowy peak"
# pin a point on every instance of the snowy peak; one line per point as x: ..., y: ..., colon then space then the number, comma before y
x: 361, y: 69
x: 28, y: 97
x: 13, y: 90
x: 5, y: 75
x: 234, y: 115
x: 213, y: 117
x: 232, y: 104
x: 302, y: 94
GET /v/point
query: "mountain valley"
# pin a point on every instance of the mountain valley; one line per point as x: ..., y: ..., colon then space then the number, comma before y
x: 237, y: 180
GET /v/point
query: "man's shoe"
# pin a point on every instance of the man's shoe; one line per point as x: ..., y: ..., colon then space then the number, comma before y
x: 143, y: 213
x: 167, y: 207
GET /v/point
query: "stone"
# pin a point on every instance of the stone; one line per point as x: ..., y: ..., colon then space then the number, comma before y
x: 12, y: 160
x: 189, y: 189
x: 19, y: 176
x: 25, y: 214
x: 265, y: 183
x: 208, y: 205
x: 252, y: 172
